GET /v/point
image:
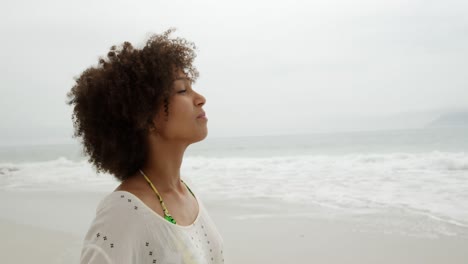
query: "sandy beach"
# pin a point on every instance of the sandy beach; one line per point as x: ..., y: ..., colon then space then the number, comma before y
x: 31, y: 244
x: 48, y: 227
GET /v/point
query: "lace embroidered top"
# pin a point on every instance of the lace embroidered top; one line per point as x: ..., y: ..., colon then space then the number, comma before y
x: 126, y: 230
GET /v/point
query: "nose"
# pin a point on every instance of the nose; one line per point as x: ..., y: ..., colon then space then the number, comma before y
x: 200, y: 100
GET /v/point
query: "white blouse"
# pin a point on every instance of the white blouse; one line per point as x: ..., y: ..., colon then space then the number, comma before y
x: 125, y: 230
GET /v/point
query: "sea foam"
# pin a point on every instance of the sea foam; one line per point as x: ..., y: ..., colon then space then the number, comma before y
x: 431, y: 183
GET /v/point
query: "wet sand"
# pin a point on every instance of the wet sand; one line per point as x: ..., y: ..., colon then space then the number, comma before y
x: 48, y: 227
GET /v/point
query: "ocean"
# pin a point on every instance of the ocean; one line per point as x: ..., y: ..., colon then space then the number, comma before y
x: 398, y: 178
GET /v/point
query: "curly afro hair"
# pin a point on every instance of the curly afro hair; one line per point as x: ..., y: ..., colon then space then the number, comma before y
x: 115, y: 102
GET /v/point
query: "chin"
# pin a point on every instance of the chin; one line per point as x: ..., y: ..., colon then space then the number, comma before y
x: 201, y: 137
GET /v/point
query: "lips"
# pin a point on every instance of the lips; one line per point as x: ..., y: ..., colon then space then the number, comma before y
x: 201, y: 115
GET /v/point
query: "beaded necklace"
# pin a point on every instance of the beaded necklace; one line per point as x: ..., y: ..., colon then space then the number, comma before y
x: 167, y: 215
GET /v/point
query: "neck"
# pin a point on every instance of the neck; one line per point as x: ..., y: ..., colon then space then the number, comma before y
x: 163, y: 165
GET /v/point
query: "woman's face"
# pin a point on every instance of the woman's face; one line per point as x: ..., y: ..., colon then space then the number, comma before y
x: 185, y: 106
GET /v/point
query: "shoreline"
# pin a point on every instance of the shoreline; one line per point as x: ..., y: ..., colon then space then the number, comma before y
x: 48, y: 227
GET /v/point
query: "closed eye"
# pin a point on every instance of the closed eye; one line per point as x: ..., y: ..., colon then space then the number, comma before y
x: 182, y: 91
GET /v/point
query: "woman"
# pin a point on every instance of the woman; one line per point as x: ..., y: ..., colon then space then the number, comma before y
x: 136, y: 113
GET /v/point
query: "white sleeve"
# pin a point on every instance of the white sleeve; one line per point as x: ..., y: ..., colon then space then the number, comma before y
x: 93, y: 254
x: 113, y: 234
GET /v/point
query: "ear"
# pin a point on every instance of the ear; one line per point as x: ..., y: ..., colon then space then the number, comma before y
x: 151, y: 123
x: 156, y: 122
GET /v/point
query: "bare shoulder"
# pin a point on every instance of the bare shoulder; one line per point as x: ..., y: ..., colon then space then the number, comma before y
x: 134, y: 188
x: 142, y: 192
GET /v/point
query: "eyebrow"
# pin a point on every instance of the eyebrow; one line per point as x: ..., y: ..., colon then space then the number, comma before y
x: 182, y: 78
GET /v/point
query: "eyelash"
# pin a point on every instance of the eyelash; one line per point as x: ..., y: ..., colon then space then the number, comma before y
x: 183, y: 91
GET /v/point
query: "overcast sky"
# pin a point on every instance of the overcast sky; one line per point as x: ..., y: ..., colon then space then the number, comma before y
x: 266, y: 67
